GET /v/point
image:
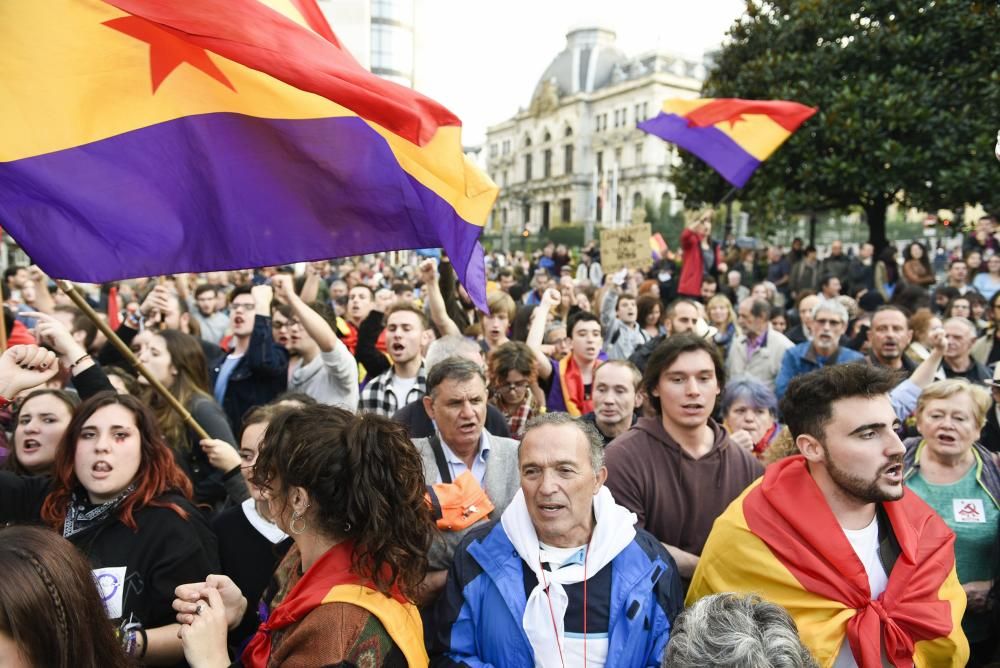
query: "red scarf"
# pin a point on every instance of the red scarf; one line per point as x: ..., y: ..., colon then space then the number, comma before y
x: 574, y: 396
x: 790, y: 514
x: 332, y: 569
x: 760, y: 446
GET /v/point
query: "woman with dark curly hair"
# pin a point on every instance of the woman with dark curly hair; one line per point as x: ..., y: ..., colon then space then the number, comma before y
x: 349, y: 489
x: 513, y: 385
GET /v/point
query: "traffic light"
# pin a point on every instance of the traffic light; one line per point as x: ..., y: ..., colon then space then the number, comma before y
x: 526, y: 233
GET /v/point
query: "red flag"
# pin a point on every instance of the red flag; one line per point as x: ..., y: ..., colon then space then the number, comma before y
x: 114, y: 311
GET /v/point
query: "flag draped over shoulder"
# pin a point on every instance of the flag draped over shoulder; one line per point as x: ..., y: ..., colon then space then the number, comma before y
x: 143, y: 137
x: 732, y: 136
x: 781, y: 540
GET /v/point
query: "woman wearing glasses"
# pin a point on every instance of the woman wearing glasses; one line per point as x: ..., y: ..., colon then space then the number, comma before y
x: 513, y: 377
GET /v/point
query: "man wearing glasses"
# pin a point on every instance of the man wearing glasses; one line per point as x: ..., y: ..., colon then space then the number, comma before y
x: 255, y: 371
x: 828, y: 325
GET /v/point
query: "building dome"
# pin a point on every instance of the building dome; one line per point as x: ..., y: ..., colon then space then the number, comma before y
x: 587, y: 63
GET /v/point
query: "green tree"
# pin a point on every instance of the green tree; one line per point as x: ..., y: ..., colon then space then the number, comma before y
x: 907, y: 91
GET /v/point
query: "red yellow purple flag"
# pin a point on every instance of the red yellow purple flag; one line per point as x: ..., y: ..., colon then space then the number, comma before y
x: 143, y: 137
x: 732, y: 136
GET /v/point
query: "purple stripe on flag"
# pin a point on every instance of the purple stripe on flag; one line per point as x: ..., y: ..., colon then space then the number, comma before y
x: 720, y: 152
x: 226, y: 191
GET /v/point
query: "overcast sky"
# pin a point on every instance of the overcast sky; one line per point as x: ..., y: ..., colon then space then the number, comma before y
x: 483, y: 59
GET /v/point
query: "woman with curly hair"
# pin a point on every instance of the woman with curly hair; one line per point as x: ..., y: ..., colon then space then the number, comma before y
x: 349, y: 489
x: 513, y: 385
x: 118, y: 495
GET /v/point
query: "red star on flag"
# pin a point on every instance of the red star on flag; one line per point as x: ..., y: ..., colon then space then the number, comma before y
x: 167, y: 50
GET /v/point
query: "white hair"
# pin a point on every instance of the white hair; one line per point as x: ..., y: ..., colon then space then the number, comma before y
x: 735, y: 630
x: 831, y: 306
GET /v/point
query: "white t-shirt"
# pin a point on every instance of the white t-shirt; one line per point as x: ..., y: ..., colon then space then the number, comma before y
x: 401, y: 388
x: 865, y: 544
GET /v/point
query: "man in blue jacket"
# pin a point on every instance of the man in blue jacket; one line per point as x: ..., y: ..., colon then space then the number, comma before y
x: 563, y: 578
x: 828, y: 324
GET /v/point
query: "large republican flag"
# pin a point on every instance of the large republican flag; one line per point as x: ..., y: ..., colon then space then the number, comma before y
x: 144, y: 137
x: 731, y: 135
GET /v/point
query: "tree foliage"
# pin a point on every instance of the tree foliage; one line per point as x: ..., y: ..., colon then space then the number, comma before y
x: 908, y: 93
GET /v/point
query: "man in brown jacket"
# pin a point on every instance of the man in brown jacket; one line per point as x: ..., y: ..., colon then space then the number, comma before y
x: 678, y: 471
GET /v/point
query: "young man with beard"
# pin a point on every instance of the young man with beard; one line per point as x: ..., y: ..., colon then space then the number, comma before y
x: 866, y: 570
x: 616, y: 397
x: 325, y: 371
x: 407, y: 333
x: 255, y: 371
x: 572, y: 378
x: 829, y: 322
x: 679, y: 470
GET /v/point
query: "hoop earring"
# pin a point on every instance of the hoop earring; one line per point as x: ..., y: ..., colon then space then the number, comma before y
x: 347, y: 527
x: 296, y: 517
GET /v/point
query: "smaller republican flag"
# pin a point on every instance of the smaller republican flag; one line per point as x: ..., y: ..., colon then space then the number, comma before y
x: 658, y: 246
x: 732, y: 136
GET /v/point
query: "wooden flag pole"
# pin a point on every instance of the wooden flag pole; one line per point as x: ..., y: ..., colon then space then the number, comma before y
x: 3, y: 316
x: 127, y: 353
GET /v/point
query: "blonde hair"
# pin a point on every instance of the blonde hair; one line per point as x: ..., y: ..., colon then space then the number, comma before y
x: 723, y: 300
x: 946, y: 389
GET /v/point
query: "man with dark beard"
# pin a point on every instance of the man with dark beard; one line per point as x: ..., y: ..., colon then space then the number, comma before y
x: 866, y: 571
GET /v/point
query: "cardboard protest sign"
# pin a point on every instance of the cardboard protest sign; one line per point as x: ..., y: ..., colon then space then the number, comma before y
x: 626, y: 247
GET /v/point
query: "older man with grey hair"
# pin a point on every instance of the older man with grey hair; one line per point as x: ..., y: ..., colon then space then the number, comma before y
x: 829, y: 322
x: 959, y: 335
x: 415, y: 417
x: 759, y: 349
x: 736, y: 630
x: 564, y: 578
x: 456, y: 401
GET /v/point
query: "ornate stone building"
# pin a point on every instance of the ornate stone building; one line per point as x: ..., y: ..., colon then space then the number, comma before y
x: 575, y: 154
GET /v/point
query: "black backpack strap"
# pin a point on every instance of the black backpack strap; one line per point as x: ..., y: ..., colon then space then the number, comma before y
x: 439, y: 458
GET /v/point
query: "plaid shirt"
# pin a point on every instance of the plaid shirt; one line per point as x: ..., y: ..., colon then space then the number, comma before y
x: 378, y: 397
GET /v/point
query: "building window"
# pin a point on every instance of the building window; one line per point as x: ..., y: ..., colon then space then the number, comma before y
x: 526, y: 214
x: 600, y: 209
x: 503, y: 216
x: 565, y: 210
x: 503, y: 178
x: 547, y: 163
x: 569, y: 132
x: 393, y: 10
x: 392, y: 48
x: 618, y: 157
x: 645, y: 114
x: 638, y: 154
x: 506, y: 146
x: 494, y: 151
x: 546, y: 207
x: 568, y: 159
x: 527, y: 167
x: 600, y: 162
x: 618, y: 209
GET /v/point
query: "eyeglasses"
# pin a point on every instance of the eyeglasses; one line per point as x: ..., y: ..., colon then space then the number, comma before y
x: 241, y: 306
x: 284, y: 324
x: 519, y: 386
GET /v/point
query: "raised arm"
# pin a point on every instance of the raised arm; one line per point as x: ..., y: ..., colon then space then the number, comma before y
x: 315, y: 325
x: 536, y: 333
x: 428, y: 274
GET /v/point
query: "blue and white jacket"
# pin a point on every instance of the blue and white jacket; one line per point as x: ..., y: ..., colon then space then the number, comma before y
x: 478, y: 618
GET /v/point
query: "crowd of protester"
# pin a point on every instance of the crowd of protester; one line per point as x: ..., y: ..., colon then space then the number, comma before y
x: 395, y: 478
